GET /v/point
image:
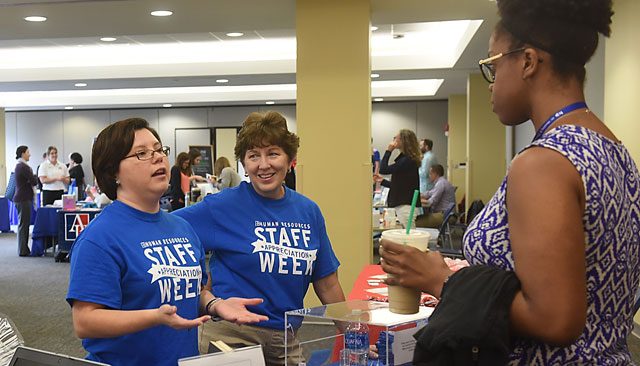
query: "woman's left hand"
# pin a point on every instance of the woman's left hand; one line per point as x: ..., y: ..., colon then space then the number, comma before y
x: 410, y: 267
x: 234, y: 310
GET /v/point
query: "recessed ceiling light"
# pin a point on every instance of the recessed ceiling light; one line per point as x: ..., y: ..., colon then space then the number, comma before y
x: 167, y: 105
x: 80, y: 85
x: 222, y: 81
x: 161, y: 13
x: 374, y: 28
x: 108, y: 39
x: 35, y: 18
x: 378, y: 99
x: 270, y: 102
x: 68, y: 107
x: 373, y: 76
x: 235, y: 34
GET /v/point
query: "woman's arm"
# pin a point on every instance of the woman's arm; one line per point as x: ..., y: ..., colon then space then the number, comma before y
x: 328, y: 289
x: 175, y: 181
x: 385, y: 168
x: 546, y: 201
x: 91, y: 320
x: 197, y: 177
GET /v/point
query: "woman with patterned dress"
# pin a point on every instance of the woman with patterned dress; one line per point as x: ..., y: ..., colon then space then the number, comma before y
x: 566, y: 219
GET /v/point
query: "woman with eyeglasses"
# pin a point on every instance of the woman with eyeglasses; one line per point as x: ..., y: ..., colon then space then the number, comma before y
x: 136, y: 284
x: 564, y: 222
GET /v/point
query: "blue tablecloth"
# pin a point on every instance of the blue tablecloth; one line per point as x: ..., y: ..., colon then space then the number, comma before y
x: 4, y: 215
x: 45, y: 226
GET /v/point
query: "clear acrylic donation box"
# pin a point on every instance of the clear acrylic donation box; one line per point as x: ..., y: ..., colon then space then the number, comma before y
x: 316, y: 335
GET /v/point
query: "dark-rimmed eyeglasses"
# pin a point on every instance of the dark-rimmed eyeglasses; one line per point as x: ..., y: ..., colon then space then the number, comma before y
x: 486, y: 67
x: 148, y: 154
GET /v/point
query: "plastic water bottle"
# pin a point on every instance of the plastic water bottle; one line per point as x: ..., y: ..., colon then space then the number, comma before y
x: 357, y: 341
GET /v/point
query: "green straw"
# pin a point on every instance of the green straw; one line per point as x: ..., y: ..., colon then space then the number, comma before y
x: 413, y: 207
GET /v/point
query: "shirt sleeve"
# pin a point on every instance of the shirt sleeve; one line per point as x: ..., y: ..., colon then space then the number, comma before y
x: 95, y: 275
x: 435, y: 195
x: 201, y: 220
x: 385, y: 168
x: 225, y: 179
x: 327, y: 260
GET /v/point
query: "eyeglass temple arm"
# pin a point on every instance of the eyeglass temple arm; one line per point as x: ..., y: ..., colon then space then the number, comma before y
x: 489, y: 59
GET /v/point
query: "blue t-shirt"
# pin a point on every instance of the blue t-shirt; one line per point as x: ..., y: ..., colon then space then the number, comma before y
x: 375, y: 157
x: 266, y: 248
x: 127, y: 259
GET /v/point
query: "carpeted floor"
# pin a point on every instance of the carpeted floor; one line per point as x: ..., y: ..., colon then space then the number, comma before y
x: 32, y: 295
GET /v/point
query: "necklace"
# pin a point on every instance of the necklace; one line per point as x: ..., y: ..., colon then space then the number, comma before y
x: 558, y: 114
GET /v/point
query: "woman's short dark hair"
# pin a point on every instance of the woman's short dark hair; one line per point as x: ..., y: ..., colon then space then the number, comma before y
x: 260, y: 130
x: 567, y: 29
x: 21, y: 150
x: 111, y: 146
x: 76, y: 157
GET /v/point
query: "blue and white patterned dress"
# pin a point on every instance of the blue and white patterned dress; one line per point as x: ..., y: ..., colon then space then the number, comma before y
x: 611, y: 235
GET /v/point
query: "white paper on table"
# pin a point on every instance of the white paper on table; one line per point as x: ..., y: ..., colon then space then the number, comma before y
x: 379, y: 291
x: 247, y: 356
x: 404, y: 344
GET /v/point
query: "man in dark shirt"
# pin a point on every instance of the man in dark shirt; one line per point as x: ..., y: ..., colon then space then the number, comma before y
x: 23, y: 197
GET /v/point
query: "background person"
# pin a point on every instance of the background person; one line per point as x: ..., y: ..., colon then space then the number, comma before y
x: 436, y: 200
x: 136, y: 293
x: 23, y: 197
x: 227, y: 176
x: 404, y: 174
x: 554, y: 219
x: 76, y: 174
x: 195, y: 156
x: 247, y: 226
x: 180, y: 182
x: 53, y: 175
x: 429, y: 159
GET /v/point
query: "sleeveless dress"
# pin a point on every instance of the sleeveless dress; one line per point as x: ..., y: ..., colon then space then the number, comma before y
x: 611, y: 235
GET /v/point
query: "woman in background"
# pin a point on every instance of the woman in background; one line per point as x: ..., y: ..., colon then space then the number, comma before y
x: 404, y: 174
x: 226, y: 175
x: 23, y: 197
x: 53, y: 175
x: 180, y: 182
x: 195, y: 157
x: 76, y: 174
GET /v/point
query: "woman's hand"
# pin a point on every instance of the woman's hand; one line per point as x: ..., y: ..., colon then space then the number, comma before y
x: 168, y: 315
x: 377, y: 178
x: 392, y: 145
x: 234, y: 310
x: 410, y: 267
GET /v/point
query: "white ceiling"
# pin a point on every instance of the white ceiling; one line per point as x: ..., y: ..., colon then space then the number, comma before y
x: 82, y: 22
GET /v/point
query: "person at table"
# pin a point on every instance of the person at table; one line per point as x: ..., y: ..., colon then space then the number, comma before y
x: 180, y: 182
x: 76, y: 174
x: 437, y: 199
x: 227, y: 176
x: 136, y: 271
x: 195, y: 156
x: 404, y: 175
x: 23, y: 197
x: 565, y: 218
x: 53, y: 175
x: 268, y: 241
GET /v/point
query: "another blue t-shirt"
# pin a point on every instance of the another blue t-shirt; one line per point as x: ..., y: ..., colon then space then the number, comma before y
x: 127, y: 259
x: 265, y: 248
x: 375, y: 157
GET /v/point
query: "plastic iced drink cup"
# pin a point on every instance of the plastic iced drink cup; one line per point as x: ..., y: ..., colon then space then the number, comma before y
x: 403, y: 300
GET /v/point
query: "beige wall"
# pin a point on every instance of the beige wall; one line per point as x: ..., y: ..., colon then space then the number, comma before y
x: 457, y: 147
x: 485, y: 143
x: 622, y: 76
x: 334, y: 121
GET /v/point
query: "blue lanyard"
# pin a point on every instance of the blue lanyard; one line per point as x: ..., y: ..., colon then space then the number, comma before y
x: 558, y: 114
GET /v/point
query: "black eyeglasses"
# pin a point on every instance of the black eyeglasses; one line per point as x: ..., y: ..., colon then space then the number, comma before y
x: 486, y: 67
x: 148, y: 154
